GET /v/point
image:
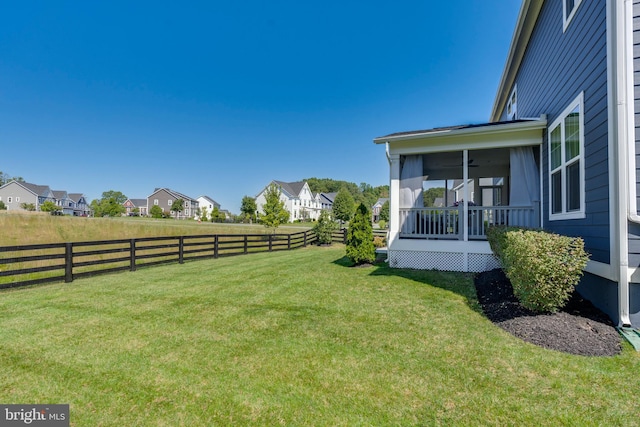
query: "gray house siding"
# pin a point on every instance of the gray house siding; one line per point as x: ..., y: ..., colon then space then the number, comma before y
x: 13, y: 195
x: 556, y: 68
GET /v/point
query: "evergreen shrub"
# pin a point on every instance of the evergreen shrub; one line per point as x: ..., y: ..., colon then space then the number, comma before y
x: 360, y: 247
x: 543, y: 267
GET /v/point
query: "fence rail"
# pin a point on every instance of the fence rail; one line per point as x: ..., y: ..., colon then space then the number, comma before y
x: 44, y: 263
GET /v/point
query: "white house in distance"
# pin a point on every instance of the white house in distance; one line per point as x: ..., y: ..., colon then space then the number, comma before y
x: 206, y: 202
x: 298, y: 200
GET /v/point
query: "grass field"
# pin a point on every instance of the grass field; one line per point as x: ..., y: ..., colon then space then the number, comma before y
x: 293, y: 338
x: 38, y: 227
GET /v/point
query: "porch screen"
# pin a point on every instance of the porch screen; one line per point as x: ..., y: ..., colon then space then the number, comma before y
x: 411, y: 177
x: 525, y: 178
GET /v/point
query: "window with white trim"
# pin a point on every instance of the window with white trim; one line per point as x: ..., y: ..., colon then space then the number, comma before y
x: 9, y: 199
x: 512, y: 104
x: 566, y: 163
x: 155, y: 202
x: 169, y: 202
x: 569, y: 8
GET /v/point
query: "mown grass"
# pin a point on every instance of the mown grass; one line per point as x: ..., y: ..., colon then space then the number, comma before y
x: 292, y: 338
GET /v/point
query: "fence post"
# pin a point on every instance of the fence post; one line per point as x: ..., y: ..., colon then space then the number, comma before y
x: 288, y: 241
x: 344, y: 236
x: 215, y: 246
x: 181, y: 249
x: 132, y: 255
x: 246, y: 249
x: 68, y: 262
x: 270, y: 242
x: 304, y: 244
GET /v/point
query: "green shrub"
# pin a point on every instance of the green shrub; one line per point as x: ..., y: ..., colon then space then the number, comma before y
x: 543, y: 268
x: 382, y: 224
x: 325, y: 227
x: 379, y: 242
x: 360, y: 247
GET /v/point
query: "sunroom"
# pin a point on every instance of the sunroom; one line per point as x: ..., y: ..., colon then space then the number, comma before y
x: 448, y: 185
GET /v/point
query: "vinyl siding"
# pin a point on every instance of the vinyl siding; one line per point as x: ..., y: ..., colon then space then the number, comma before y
x: 634, y: 229
x: 556, y: 68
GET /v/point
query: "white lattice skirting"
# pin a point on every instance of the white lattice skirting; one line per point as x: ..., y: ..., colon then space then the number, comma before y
x: 446, y: 261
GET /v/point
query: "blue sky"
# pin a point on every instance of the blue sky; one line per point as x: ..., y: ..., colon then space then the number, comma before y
x: 218, y: 98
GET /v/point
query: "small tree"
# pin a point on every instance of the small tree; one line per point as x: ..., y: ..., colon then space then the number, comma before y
x: 273, y: 210
x: 156, y: 211
x: 49, y: 206
x: 31, y: 207
x: 177, y: 206
x: 204, y: 214
x: 324, y: 228
x: 384, y: 212
x: 343, y: 205
x: 217, y: 216
x: 360, y: 247
x: 248, y: 208
x: 3, y: 207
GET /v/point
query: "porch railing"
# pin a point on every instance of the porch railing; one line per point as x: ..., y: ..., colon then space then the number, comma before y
x: 447, y: 223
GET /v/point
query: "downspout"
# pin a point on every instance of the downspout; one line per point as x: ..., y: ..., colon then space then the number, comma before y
x: 621, y: 65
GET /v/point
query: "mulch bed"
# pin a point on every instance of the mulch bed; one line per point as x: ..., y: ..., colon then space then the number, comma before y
x: 579, y: 328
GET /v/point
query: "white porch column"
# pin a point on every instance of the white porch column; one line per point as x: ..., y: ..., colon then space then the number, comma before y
x: 465, y: 191
x: 394, y: 198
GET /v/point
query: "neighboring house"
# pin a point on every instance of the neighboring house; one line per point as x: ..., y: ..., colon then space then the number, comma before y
x: 375, y: 209
x: 15, y: 193
x: 326, y: 200
x: 206, y: 202
x: 165, y: 197
x: 130, y: 206
x: 80, y: 205
x: 559, y: 152
x: 63, y: 201
x: 298, y: 199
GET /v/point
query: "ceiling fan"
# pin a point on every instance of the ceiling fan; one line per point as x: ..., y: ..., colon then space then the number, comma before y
x: 469, y: 164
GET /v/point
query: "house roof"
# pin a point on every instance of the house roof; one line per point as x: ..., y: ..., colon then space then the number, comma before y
x: 291, y: 188
x: 450, y: 130
x: 76, y: 196
x: 138, y: 202
x: 173, y: 194
x: 60, y: 194
x: 40, y: 190
x: 527, y: 18
x: 210, y: 200
x: 330, y: 197
x: 381, y: 201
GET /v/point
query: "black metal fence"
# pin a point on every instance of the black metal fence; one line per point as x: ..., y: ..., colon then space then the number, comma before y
x: 43, y: 263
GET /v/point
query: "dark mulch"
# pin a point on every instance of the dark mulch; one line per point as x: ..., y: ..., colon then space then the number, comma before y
x: 579, y: 328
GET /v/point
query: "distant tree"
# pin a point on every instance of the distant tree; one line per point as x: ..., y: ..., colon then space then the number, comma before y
x: 136, y: 211
x: 109, y: 205
x: 31, y: 207
x: 156, y: 211
x: 177, y: 206
x: 217, y: 216
x: 3, y: 207
x: 360, y: 247
x: 273, y: 211
x: 49, y: 206
x: 249, y: 208
x: 431, y: 194
x: 6, y: 178
x: 343, y: 205
x: 325, y: 227
x: 384, y: 212
x: 204, y: 214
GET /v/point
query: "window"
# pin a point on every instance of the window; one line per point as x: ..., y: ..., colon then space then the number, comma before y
x: 512, y: 105
x: 17, y: 199
x: 169, y: 202
x: 155, y: 202
x: 9, y: 199
x: 569, y: 8
x: 566, y: 163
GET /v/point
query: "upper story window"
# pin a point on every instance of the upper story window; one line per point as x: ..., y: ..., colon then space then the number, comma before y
x: 155, y: 202
x: 569, y: 8
x: 566, y: 163
x: 512, y: 104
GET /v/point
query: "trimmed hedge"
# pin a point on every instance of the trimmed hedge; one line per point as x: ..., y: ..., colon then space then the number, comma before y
x: 543, y: 267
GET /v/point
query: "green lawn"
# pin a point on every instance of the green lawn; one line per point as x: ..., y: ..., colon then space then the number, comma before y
x: 293, y: 338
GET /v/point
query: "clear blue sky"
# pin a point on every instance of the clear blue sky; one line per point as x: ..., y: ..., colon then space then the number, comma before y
x: 218, y: 98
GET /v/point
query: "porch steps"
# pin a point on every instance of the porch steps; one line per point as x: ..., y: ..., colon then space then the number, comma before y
x: 632, y: 335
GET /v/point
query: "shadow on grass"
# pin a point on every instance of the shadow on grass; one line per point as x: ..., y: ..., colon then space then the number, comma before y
x: 459, y: 283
